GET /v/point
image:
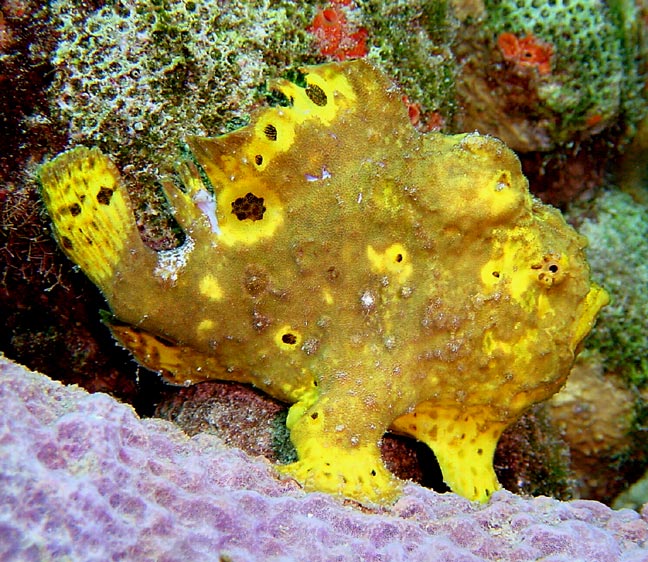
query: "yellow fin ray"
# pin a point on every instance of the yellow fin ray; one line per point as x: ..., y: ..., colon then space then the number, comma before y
x: 463, y: 443
x: 90, y: 211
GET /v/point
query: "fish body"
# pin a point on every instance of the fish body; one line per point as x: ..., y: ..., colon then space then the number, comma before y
x: 374, y: 277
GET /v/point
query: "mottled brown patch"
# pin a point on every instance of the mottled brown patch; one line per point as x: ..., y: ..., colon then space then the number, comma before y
x: 256, y: 280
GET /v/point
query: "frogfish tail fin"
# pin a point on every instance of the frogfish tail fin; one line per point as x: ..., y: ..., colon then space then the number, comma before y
x: 90, y: 211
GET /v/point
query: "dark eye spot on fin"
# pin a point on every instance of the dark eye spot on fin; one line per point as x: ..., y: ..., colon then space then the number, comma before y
x: 104, y: 196
x: 270, y: 132
x: 316, y: 95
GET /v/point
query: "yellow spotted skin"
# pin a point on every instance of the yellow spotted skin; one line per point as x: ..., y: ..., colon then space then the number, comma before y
x: 374, y: 277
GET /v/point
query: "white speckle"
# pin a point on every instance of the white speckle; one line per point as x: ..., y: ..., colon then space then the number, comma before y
x: 367, y: 300
x: 390, y: 342
x: 340, y: 427
x: 171, y: 262
x: 207, y: 204
x: 500, y: 186
x: 360, y: 197
x: 453, y: 346
x: 325, y: 174
x: 341, y: 375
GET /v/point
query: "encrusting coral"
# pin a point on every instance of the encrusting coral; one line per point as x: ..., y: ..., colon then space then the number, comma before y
x: 541, y: 74
x: 616, y: 228
x: 83, y: 478
x: 615, y: 224
x: 341, y: 261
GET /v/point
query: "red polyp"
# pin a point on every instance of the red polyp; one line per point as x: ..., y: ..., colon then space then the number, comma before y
x: 335, y: 37
x: 527, y: 51
x: 508, y: 44
x: 536, y: 53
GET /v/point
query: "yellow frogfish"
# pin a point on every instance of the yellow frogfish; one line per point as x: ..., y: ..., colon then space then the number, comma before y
x: 376, y: 278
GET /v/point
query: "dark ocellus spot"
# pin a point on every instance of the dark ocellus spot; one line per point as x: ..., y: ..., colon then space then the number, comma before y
x: 67, y: 243
x: 75, y: 209
x: 249, y: 207
x: 316, y: 95
x: 290, y: 339
x: 104, y: 196
x: 270, y: 132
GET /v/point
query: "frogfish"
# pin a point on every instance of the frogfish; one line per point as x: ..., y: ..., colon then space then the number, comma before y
x: 374, y: 277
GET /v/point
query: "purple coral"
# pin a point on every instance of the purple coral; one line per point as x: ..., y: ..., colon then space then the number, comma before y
x: 83, y: 478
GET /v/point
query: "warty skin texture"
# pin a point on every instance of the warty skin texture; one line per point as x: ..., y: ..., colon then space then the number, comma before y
x: 337, y: 259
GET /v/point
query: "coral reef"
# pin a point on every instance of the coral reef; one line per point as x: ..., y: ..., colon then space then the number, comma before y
x: 245, y: 418
x: 136, y: 77
x: 634, y: 497
x: 633, y: 170
x: 595, y: 413
x: 44, y: 322
x: 359, y: 336
x: 566, y: 71
x: 561, y: 82
x: 412, y: 41
x: 25, y: 73
x: 84, y: 478
x: 89, y: 49
x: 337, y: 37
x: 530, y: 459
x: 616, y: 228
